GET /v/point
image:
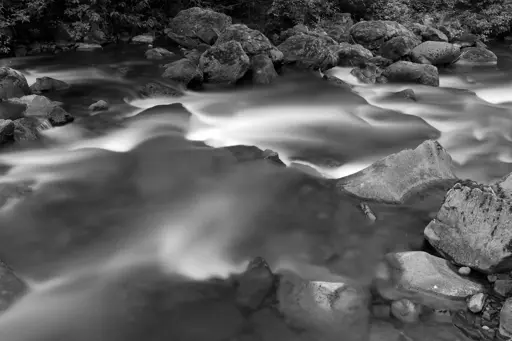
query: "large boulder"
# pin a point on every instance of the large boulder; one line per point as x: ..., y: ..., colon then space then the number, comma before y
x: 424, y: 279
x: 184, y: 71
x: 263, y: 71
x: 253, y: 41
x: 435, y: 53
x: 475, y: 56
x: 224, y: 63
x: 47, y: 84
x: 397, y: 47
x: 407, y: 72
x: 373, y: 34
x: 351, y: 55
x: 472, y: 228
x: 315, y: 52
x: 428, y: 33
x: 12, y: 83
x: 195, y: 26
x: 392, y: 178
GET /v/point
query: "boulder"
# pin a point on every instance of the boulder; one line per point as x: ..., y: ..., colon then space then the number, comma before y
x: 255, y: 284
x: 12, y: 83
x: 312, y: 52
x: 392, y: 178
x: 398, y: 47
x: 407, y: 72
x: 6, y: 131
x: 154, y: 89
x: 224, y: 63
x: 253, y: 41
x: 36, y: 105
x: 158, y: 53
x: 184, y: 71
x: 472, y: 228
x: 475, y: 56
x: 351, y: 55
x: 367, y: 74
x: 404, y: 95
x: 295, y: 30
x: 476, y: 302
x: 263, y: 71
x: 99, y: 106
x: 195, y: 26
x: 146, y: 38
x: 428, y: 33
x: 435, y: 53
x: 373, y: 34
x: 59, y: 117
x: 47, y: 84
x: 424, y: 279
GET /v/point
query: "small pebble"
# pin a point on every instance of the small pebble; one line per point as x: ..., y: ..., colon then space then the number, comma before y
x: 464, y: 271
x: 492, y: 278
x: 406, y: 311
x: 476, y: 302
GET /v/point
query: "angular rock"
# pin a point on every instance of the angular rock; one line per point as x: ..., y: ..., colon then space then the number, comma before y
x: 158, y: 53
x: 255, y: 284
x: 476, y: 302
x: 311, y: 52
x: 46, y: 84
x: 195, y: 26
x: 12, y: 83
x: 184, y: 71
x: 99, y: 106
x: 253, y: 42
x: 6, y: 131
x: 424, y: 279
x: 263, y: 71
x: 397, y: 47
x: 466, y: 39
x: 351, y: 55
x: 392, y: 178
x: 406, y: 311
x: 380, y: 61
x: 477, y: 56
x: 406, y: 94
x: 472, y: 228
x: 146, y: 38
x: 506, y: 319
x: 429, y: 33
x: 373, y: 34
x: 28, y: 128
x: 224, y: 63
x: 407, y: 72
x: 435, y: 53
x: 59, y: 117
x: 324, y: 308
x: 193, y: 55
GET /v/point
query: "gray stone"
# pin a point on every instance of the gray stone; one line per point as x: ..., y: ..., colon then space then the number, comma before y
x: 263, y: 71
x: 503, y: 287
x: 407, y: 72
x: 224, y: 63
x: 429, y: 33
x: 464, y: 271
x: 351, y: 54
x: 506, y: 319
x: 397, y: 47
x: 59, y: 117
x: 255, y: 284
x: 99, y: 106
x: 184, y: 71
x: 6, y: 131
x: 146, y: 38
x: 310, y: 52
x: 435, y: 53
x: 475, y: 56
x: 85, y: 47
x: 12, y: 83
x: 373, y: 34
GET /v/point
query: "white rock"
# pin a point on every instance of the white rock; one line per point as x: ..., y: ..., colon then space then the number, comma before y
x: 476, y: 302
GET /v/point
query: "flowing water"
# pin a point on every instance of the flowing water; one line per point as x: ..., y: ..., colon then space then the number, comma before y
x: 97, y: 203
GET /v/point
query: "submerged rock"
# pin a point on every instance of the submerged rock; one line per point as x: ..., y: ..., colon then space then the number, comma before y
x: 392, y: 178
x: 59, y: 117
x: 250, y: 153
x: 85, y: 47
x: 28, y: 128
x: 311, y: 52
x: 429, y: 33
x: 224, y: 63
x: 154, y: 89
x: 99, y: 106
x: 12, y: 83
x: 406, y: 311
x: 46, y: 84
x: 435, y: 53
x: 477, y: 56
x: 367, y: 74
x: 146, y: 38
x: 6, y: 131
x: 184, y: 71
x: 407, y: 72
x: 472, y: 228
x: 424, y: 279
x: 351, y: 55
x: 263, y: 71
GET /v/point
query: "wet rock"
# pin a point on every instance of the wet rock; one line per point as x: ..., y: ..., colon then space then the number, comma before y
x: 476, y: 302
x: 47, y: 84
x: 337, y: 82
x: 154, y: 89
x: 36, y: 105
x: 472, y: 228
x: 195, y: 26
x: 429, y: 33
x: 28, y: 128
x: 367, y: 74
x: 12, y: 83
x: 503, y: 287
x: 253, y: 42
x: 158, y: 53
x: 397, y: 47
x: 367, y: 211
x: 85, y: 47
x: 406, y: 311
x: 407, y: 72
x: 6, y: 131
x: 328, y: 309
x: 506, y: 319
x: 464, y: 271
x: 406, y: 94
x: 224, y: 63
x: 466, y: 39
x: 59, y: 117
x: 146, y: 38
x: 295, y: 30
x: 184, y: 71
x: 392, y: 178
x: 435, y: 53
x: 251, y: 153
x: 11, y: 287
x: 380, y: 61
x: 263, y: 71
x: 193, y: 55
x: 99, y: 106
x: 338, y: 27
x: 310, y: 52
x: 424, y: 279
x: 351, y: 55
x: 255, y: 284
x: 373, y: 34
x: 477, y: 56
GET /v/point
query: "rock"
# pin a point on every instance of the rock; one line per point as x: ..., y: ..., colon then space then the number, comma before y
x: 351, y: 55
x: 36, y: 105
x: 392, y: 178
x: 146, y: 38
x: 99, y: 106
x: 472, y: 228
x: 476, y: 302
x: 193, y: 55
x: 263, y: 71
x: 325, y: 308
x: 12, y: 109
x: 492, y: 278
x: 195, y: 26
x: 158, y: 53
x: 253, y: 42
x: 477, y: 56
x: 429, y: 33
x: 435, y: 53
x: 250, y: 153
x: 397, y: 47
x: 367, y: 211
x: 373, y: 34
x: 406, y: 311
x: 295, y: 30
x: 46, y: 84
x: 424, y: 279
x: 367, y: 74
x: 28, y: 128
x: 464, y: 271
x: 503, y: 287
x: 310, y: 52
x: 184, y: 71
x: 407, y: 72
x: 506, y: 319
x: 85, y: 47
x: 466, y: 39
x: 12, y: 83
x: 11, y: 287
x: 6, y: 131
x: 255, y: 284
x: 59, y: 117
x: 154, y: 89
x: 338, y: 27
x: 224, y: 63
